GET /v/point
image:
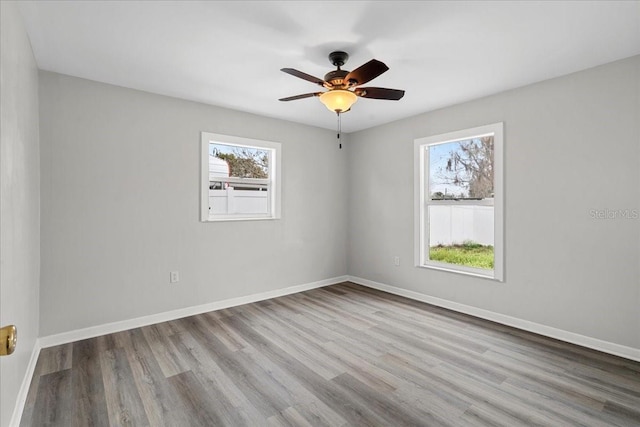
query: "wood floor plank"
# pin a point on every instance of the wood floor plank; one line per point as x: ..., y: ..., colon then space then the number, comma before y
x: 229, y: 402
x: 456, y: 398
x: 293, y: 319
x: 253, y: 383
x: 161, y: 405
x: 228, y: 336
x: 289, y: 417
x: 343, y: 355
x: 411, y: 390
x: 306, y: 351
x: 562, y: 408
x: 90, y: 404
x: 482, y: 414
x: 446, y: 353
x: 624, y: 415
x: 106, y: 342
x: 362, y: 370
x: 207, y: 368
x: 337, y: 398
x: 303, y: 399
x: 54, y: 359
x: 124, y: 404
x: 497, y: 396
x: 549, y: 381
x: 349, y: 318
x: 54, y: 403
x: 165, y: 353
x: 386, y: 410
x: 196, y: 400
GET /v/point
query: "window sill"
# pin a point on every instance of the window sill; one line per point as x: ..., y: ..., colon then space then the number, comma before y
x: 240, y: 218
x: 467, y: 272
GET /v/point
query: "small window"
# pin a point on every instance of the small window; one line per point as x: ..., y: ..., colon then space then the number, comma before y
x: 240, y: 178
x: 459, y: 201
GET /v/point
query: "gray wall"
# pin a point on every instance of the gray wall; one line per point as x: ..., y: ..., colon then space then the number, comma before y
x: 572, y: 144
x: 120, y: 207
x: 19, y: 201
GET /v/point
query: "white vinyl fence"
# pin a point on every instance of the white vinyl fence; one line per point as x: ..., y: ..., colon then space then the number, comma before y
x: 230, y: 201
x: 457, y: 224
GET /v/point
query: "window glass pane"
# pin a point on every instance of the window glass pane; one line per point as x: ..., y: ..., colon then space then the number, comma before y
x: 243, y: 162
x: 230, y: 169
x: 461, y: 235
x: 461, y: 169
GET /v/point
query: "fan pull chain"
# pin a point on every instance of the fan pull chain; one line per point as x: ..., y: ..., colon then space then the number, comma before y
x: 339, y: 129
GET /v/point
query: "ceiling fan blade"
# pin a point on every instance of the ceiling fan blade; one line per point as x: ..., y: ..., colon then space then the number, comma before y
x: 365, y: 73
x: 304, y: 76
x: 304, y: 95
x: 379, y: 93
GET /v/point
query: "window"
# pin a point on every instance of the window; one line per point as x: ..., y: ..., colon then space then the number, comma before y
x: 240, y: 178
x: 459, y: 201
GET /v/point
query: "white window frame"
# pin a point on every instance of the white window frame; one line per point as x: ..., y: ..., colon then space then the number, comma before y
x: 422, y: 203
x: 274, y: 182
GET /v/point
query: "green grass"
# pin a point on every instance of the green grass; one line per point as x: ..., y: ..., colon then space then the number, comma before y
x: 469, y: 254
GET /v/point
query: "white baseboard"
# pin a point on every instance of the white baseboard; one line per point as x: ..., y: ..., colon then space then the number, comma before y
x: 582, y: 340
x: 21, y: 399
x: 109, y: 328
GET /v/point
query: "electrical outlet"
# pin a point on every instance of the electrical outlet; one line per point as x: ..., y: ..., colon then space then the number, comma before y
x: 396, y: 261
x: 174, y: 277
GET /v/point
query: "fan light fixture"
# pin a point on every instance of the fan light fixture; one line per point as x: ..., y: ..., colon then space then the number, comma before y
x: 338, y: 100
x: 344, y: 86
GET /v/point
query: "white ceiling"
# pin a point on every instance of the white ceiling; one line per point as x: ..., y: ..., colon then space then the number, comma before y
x: 230, y: 53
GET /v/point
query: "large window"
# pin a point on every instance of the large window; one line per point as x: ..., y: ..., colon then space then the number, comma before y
x: 240, y: 178
x: 459, y: 201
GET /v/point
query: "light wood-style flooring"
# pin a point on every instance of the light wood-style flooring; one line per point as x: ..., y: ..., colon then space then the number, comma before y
x: 343, y: 355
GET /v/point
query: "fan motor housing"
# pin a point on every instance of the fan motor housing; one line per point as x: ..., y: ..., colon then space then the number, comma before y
x: 336, y: 77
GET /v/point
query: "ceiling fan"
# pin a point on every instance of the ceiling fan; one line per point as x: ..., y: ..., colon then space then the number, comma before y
x: 344, y: 86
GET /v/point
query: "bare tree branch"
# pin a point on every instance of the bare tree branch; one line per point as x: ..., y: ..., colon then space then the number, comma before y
x: 245, y: 162
x: 470, y: 166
